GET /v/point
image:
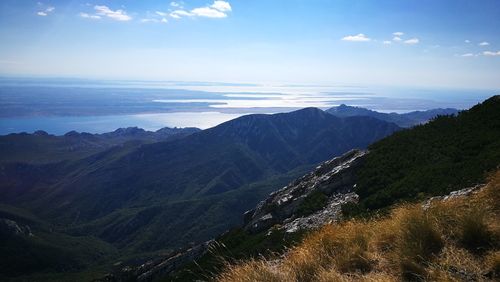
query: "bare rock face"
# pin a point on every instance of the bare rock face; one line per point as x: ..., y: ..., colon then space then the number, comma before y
x: 466, y: 192
x: 329, y: 214
x: 334, y: 179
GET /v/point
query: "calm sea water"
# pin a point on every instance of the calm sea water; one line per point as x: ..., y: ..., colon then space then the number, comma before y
x: 101, y: 124
x: 95, y: 106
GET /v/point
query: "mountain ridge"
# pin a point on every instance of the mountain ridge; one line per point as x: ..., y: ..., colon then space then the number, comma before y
x: 403, y: 120
x: 41, y: 147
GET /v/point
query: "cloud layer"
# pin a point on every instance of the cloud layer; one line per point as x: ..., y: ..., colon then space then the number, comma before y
x: 356, y: 38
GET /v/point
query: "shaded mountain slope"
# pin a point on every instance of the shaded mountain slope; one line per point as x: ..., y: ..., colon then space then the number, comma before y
x: 166, y: 187
x: 41, y: 147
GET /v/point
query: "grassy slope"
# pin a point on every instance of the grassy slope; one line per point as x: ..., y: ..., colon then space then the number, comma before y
x: 450, y: 241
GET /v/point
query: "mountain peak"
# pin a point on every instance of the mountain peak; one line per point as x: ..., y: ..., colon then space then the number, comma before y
x: 309, y: 111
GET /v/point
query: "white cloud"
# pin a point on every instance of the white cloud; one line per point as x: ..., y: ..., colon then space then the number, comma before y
x: 398, y: 33
x: 467, y: 41
x: 162, y: 14
x: 491, y: 53
x: 484, y: 43
x: 412, y: 41
x: 467, y: 55
x: 88, y: 16
x: 222, y: 6
x: 356, y: 38
x: 45, y: 12
x: 387, y: 42
x: 175, y: 4
x: 153, y: 20
x: 118, y: 15
x: 397, y: 38
x: 177, y: 14
x: 208, y: 12
x: 218, y: 9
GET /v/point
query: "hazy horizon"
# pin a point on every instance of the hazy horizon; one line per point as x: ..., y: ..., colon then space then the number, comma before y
x: 452, y: 44
x: 97, y: 106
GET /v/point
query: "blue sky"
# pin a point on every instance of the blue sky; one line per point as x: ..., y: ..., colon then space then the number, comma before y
x: 404, y: 43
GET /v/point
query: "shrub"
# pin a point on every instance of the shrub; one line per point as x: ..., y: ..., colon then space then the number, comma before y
x: 312, y: 203
x: 350, y: 210
x: 419, y: 241
x: 475, y: 234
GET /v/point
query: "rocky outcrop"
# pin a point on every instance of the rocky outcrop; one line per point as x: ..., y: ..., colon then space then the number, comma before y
x: 329, y: 214
x: 154, y: 269
x: 454, y: 195
x: 149, y: 273
x: 12, y: 228
x: 334, y: 179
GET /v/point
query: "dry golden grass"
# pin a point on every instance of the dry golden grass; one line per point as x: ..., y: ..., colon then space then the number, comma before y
x: 454, y: 240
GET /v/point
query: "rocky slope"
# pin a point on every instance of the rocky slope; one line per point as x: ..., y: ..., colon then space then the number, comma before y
x: 333, y: 181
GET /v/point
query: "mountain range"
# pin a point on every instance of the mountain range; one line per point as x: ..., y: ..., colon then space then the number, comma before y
x: 126, y: 199
x: 403, y: 120
x: 448, y: 158
x: 41, y: 147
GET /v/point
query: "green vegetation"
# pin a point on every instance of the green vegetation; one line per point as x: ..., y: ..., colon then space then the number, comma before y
x: 312, y: 203
x: 446, y: 154
x: 36, y: 254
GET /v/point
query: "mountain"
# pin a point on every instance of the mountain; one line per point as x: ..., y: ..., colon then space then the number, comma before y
x: 164, y: 195
x: 403, y: 120
x: 449, y: 155
x: 41, y: 147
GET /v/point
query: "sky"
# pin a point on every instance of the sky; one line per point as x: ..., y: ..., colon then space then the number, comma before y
x: 425, y: 43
